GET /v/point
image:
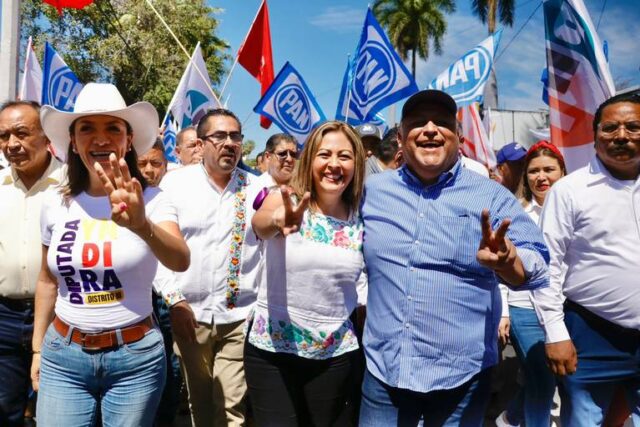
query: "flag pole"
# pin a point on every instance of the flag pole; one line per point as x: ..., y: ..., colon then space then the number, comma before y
x: 183, y: 49
x: 350, y: 86
x: 224, y: 86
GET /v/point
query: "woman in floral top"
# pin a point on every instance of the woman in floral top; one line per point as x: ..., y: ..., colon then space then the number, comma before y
x: 300, y: 351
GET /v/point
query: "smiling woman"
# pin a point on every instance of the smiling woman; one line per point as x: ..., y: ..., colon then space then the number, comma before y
x: 102, y: 240
x: 301, y: 343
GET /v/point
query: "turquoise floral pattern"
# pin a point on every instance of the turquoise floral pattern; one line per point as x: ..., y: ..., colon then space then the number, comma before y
x: 237, y: 239
x: 285, y: 337
x: 324, y: 229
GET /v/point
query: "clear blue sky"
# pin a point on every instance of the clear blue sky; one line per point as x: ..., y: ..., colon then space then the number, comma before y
x: 317, y: 36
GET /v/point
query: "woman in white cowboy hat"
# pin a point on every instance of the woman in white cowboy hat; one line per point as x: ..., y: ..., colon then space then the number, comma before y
x: 102, y: 239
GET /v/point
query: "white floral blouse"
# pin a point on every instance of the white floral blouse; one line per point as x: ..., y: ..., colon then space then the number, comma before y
x: 311, y: 282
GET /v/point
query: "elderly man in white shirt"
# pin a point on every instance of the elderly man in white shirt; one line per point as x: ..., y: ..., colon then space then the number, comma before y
x: 32, y: 172
x: 591, y: 222
x: 210, y: 301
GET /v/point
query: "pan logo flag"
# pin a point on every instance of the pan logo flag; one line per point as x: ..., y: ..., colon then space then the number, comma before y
x: 375, y: 79
x: 60, y: 86
x: 289, y: 103
x: 466, y: 78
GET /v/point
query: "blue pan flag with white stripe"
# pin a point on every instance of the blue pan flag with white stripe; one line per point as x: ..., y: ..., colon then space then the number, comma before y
x: 375, y: 79
x: 60, y: 86
x: 290, y: 104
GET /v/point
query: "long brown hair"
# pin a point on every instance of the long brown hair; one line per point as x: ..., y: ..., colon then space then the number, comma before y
x: 302, y: 180
x: 78, y: 174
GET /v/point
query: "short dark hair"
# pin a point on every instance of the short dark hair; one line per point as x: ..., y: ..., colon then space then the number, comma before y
x: 388, y: 147
x: 216, y: 112
x: 159, y: 145
x: 181, y: 133
x: 276, y: 139
x: 259, y: 155
x: 13, y: 104
x: 633, y: 97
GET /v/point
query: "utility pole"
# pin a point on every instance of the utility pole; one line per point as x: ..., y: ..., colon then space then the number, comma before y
x: 9, y: 44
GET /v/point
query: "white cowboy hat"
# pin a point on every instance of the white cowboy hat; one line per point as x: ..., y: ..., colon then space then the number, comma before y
x: 102, y: 99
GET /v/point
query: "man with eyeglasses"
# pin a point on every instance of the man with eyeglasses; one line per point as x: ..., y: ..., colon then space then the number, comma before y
x: 210, y: 301
x: 188, y: 148
x: 591, y: 222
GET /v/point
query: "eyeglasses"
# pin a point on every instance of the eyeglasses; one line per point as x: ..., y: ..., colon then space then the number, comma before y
x: 219, y: 137
x: 282, y: 155
x: 611, y: 128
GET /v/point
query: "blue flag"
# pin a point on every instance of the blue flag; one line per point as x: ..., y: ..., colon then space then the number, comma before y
x: 465, y: 79
x: 169, y: 141
x: 375, y: 79
x: 290, y: 104
x: 60, y: 86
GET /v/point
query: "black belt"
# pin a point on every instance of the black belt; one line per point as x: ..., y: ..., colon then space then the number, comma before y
x: 598, y: 323
x: 17, y: 304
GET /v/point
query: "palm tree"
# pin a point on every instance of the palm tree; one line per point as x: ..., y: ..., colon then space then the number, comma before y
x: 489, y: 10
x: 412, y: 23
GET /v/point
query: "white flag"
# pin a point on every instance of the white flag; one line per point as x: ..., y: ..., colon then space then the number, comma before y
x: 31, y: 86
x: 194, y: 95
x: 476, y: 144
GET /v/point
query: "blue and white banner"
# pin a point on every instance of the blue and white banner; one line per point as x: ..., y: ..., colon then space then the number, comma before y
x: 60, y: 86
x: 465, y: 79
x: 290, y: 104
x: 169, y: 141
x: 375, y: 79
x: 194, y: 95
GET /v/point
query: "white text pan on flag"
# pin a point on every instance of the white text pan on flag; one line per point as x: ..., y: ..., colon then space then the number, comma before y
x: 194, y: 95
x: 31, y: 85
x: 579, y: 78
x: 375, y: 79
x: 290, y: 104
x: 60, y: 86
x: 465, y: 79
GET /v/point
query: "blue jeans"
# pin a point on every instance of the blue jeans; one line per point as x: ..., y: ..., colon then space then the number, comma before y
x: 16, y: 330
x: 464, y: 406
x: 527, y: 338
x: 608, y: 357
x: 125, y: 381
x: 170, y: 400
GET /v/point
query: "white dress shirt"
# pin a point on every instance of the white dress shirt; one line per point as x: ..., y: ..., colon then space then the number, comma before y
x: 591, y: 222
x: 206, y: 218
x: 20, y: 242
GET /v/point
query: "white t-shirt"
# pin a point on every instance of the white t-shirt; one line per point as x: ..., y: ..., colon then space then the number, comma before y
x: 104, y: 271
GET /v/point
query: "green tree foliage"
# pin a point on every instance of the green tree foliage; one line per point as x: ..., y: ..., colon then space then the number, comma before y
x: 124, y: 42
x: 412, y: 24
x: 491, y: 10
x: 247, y: 147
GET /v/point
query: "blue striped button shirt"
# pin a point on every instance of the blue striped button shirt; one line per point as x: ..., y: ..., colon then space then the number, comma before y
x: 432, y: 309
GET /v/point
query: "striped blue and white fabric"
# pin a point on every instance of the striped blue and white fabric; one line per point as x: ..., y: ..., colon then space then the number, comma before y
x: 432, y: 309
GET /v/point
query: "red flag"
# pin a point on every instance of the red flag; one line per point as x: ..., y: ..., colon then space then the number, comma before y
x: 255, y: 54
x: 75, y: 4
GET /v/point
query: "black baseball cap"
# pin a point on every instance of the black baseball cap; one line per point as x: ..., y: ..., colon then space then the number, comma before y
x: 431, y: 96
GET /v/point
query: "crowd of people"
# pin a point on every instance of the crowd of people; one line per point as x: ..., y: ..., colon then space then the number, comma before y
x: 357, y: 279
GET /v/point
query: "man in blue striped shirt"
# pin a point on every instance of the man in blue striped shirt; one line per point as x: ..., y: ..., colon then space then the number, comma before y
x: 438, y: 238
